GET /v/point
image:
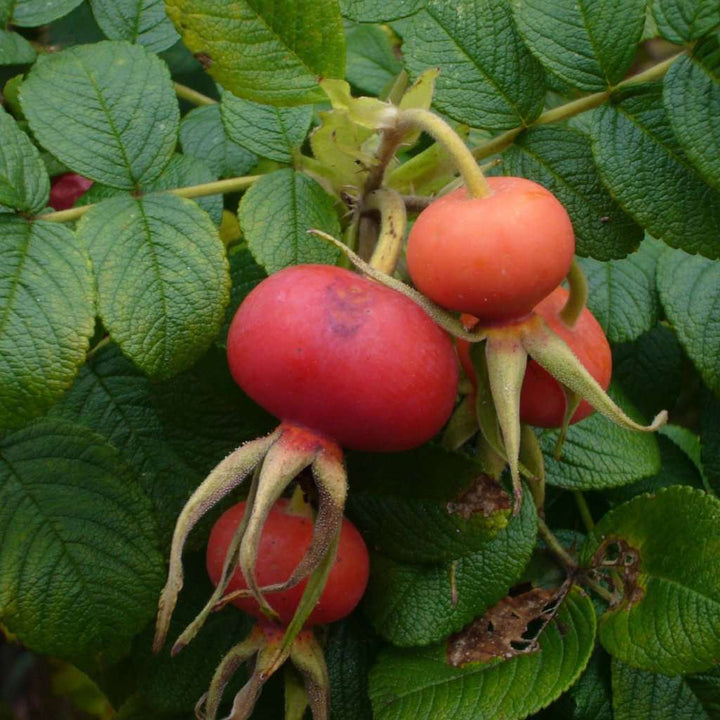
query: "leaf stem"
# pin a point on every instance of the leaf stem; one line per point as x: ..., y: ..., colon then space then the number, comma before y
x: 575, y: 107
x: 577, y: 299
x: 192, y: 191
x: 554, y: 546
x: 597, y: 588
x: 475, y: 182
x: 192, y: 96
x: 584, y: 510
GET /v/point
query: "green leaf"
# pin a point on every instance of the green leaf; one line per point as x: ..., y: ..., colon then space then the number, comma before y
x: 275, y: 216
x: 650, y: 370
x: 202, y: 134
x: 137, y: 21
x: 420, y: 604
x: 32, y: 13
x: 245, y: 274
x: 47, y: 317
x: 590, y: 698
x: 6, y: 8
x: 588, y: 44
x: 113, y: 398
x: 424, y: 506
x: 560, y: 158
x: 24, y: 182
x: 598, y: 454
x: 684, y: 20
x: 265, y: 51
x: 676, y: 468
x: 622, y: 295
x: 378, y: 11
x: 638, y: 694
x: 265, y: 130
x: 477, y: 85
x: 15, y: 49
x: 162, y: 278
x: 710, y: 440
x: 669, y: 618
x: 681, y: 209
x: 691, y: 93
x: 81, y: 570
x: 371, y: 62
x: 689, y: 288
x: 349, y: 651
x: 420, y: 685
x: 79, y: 102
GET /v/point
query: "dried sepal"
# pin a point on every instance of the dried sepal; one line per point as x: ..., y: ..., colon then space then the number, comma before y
x: 506, y: 363
x: 228, y: 474
x: 552, y: 354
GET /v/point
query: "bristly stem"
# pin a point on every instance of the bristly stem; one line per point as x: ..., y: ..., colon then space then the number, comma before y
x: 192, y: 96
x: 577, y: 299
x: 475, y: 182
x: 555, y: 547
x: 193, y: 191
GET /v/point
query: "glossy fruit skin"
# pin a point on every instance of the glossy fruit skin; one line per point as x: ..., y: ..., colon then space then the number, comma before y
x: 285, y: 538
x: 494, y: 257
x: 65, y: 189
x: 542, y: 402
x: 323, y: 347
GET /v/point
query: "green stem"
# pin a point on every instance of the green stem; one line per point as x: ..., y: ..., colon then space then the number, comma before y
x: 598, y: 589
x: 577, y: 299
x: 575, y: 107
x: 192, y: 96
x: 584, y: 511
x: 475, y: 182
x: 554, y: 546
x: 390, y: 140
x: 193, y: 191
x: 393, y: 223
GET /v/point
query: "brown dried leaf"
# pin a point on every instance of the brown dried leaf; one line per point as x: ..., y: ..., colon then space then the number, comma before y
x: 485, y: 496
x: 509, y: 628
x: 621, y: 561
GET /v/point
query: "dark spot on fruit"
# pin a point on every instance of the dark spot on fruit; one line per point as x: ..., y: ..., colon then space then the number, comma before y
x: 347, y: 308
